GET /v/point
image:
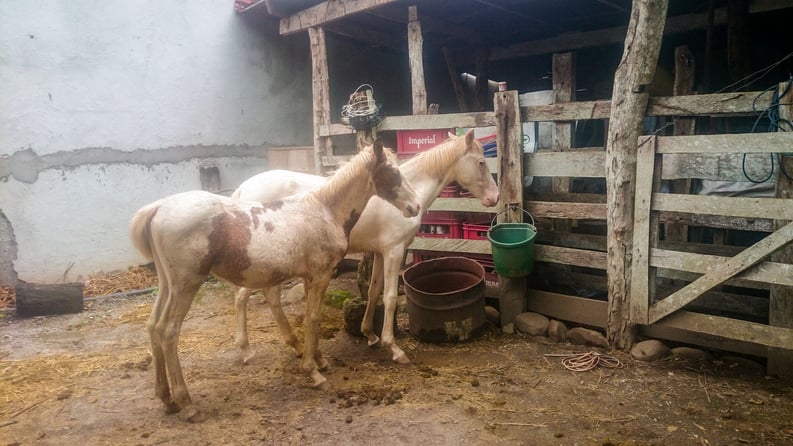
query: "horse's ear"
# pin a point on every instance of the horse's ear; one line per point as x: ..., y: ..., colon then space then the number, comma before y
x: 377, y: 148
x: 469, y: 138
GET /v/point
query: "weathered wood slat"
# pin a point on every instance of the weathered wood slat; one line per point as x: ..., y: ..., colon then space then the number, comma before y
x: 570, y: 256
x: 326, y: 12
x: 719, y: 273
x: 691, y: 276
x: 459, y: 205
x: 717, y: 166
x: 566, y: 210
x: 731, y: 328
x: 718, y: 221
x: 672, y: 333
x: 574, y: 163
x: 640, y: 282
x: 765, y: 272
x: 568, y: 308
x: 451, y: 245
x: 781, y: 208
x: 780, y: 142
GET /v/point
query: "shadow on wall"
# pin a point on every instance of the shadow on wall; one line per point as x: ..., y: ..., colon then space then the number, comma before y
x: 8, y: 252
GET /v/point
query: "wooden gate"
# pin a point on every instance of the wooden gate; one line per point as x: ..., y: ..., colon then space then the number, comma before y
x: 706, y: 156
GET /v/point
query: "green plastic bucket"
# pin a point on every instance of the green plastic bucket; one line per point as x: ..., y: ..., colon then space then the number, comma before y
x: 513, y: 248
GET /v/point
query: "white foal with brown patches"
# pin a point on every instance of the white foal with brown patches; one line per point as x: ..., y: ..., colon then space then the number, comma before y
x: 250, y: 244
x: 380, y: 229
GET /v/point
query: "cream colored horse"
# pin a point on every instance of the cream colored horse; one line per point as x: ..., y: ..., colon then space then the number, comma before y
x: 250, y: 244
x: 380, y: 229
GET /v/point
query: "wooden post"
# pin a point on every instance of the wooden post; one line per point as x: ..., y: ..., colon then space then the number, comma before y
x: 320, y: 87
x: 509, y: 140
x: 563, y: 67
x: 416, y: 55
x: 482, y: 90
x: 780, y: 362
x: 454, y: 76
x: 684, y: 85
x: 628, y: 105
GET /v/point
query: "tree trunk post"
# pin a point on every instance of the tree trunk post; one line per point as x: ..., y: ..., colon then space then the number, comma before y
x: 628, y: 106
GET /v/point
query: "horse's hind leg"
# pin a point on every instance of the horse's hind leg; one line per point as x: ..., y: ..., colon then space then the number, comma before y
x: 161, y: 389
x: 375, y: 288
x: 241, y: 336
x: 168, y: 326
x: 315, y: 291
x: 273, y: 295
x: 392, y: 260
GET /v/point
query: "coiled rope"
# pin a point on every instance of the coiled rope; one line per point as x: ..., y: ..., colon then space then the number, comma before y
x: 584, y: 362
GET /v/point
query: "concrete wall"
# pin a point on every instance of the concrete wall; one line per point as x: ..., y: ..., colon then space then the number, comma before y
x: 107, y: 106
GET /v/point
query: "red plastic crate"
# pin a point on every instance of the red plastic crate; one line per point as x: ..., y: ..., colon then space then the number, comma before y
x: 440, y: 224
x: 476, y: 231
x: 411, y: 142
x: 450, y: 191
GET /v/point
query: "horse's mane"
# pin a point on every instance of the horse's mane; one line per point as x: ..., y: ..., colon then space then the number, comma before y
x: 347, y: 174
x: 436, y: 161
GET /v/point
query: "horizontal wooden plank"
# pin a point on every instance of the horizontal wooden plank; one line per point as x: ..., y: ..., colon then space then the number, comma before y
x: 777, y: 142
x: 718, y: 221
x: 659, y: 331
x: 693, y: 105
x: 326, y: 12
x: 570, y: 256
x: 579, y: 164
x: 776, y: 208
x: 451, y: 245
x: 442, y: 121
x: 460, y: 205
x: 687, y: 276
x: 717, y: 166
x: 766, y: 272
x: 568, y: 308
x: 579, y: 211
x: 730, y: 328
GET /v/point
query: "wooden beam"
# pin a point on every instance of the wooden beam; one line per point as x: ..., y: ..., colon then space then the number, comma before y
x: 763, y: 272
x: 568, y: 308
x: 320, y: 87
x: 579, y: 164
x: 629, y: 103
x: 509, y: 139
x: 780, y: 142
x: 326, y: 12
x: 563, y: 70
x: 416, y: 60
x: 780, y: 362
x: 747, y: 207
x: 731, y: 328
x: 722, y: 272
x: 459, y: 91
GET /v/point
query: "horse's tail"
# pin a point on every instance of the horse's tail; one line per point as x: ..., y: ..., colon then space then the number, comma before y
x: 140, y: 229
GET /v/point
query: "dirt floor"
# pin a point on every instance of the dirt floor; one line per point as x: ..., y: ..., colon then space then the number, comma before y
x: 86, y: 379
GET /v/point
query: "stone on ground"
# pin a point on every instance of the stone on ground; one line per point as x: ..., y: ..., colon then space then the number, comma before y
x: 649, y: 350
x: 533, y: 324
x: 585, y: 336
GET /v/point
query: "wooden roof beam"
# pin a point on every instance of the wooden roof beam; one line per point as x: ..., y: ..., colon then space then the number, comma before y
x: 325, y: 12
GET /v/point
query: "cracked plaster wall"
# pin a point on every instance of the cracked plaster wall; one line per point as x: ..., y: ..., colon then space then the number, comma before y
x: 109, y: 106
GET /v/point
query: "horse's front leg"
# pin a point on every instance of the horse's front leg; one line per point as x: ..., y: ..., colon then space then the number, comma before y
x: 273, y: 295
x: 375, y: 288
x: 315, y: 291
x: 241, y: 336
x: 392, y: 261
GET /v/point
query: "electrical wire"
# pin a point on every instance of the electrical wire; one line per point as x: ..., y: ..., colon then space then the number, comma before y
x: 775, y: 124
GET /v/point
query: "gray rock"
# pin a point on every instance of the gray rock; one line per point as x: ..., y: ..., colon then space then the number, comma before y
x: 533, y: 324
x: 557, y: 331
x: 693, y: 354
x: 295, y: 294
x: 585, y: 336
x: 649, y: 350
x: 493, y: 315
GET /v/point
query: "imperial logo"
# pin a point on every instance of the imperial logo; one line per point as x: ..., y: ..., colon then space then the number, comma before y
x: 424, y: 140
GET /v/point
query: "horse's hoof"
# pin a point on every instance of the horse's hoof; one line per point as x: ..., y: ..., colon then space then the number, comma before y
x: 402, y: 358
x: 247, y: 357
x: 193, y: 415
x: 322, y: 385
x: 172, y: 408
x: 374, y: 341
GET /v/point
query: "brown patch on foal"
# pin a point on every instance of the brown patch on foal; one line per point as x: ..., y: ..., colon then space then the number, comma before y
x: 228, y: 242
x: 255, y: 213
x: 350, y: 222
x: 387, y: 181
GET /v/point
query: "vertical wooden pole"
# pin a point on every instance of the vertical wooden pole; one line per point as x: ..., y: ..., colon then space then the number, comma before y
x: 320, y: 87
x: 563, y: 66
x: 416, y: 55
x: 509, y: 140
x: 482, y: 90
x: 737, y: 39
x: 780, y: 362
x: 628, y: 105
x: 684, y: 85
x: 454, y: 76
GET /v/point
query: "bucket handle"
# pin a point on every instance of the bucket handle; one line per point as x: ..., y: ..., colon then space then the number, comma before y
x: 511, y: 206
